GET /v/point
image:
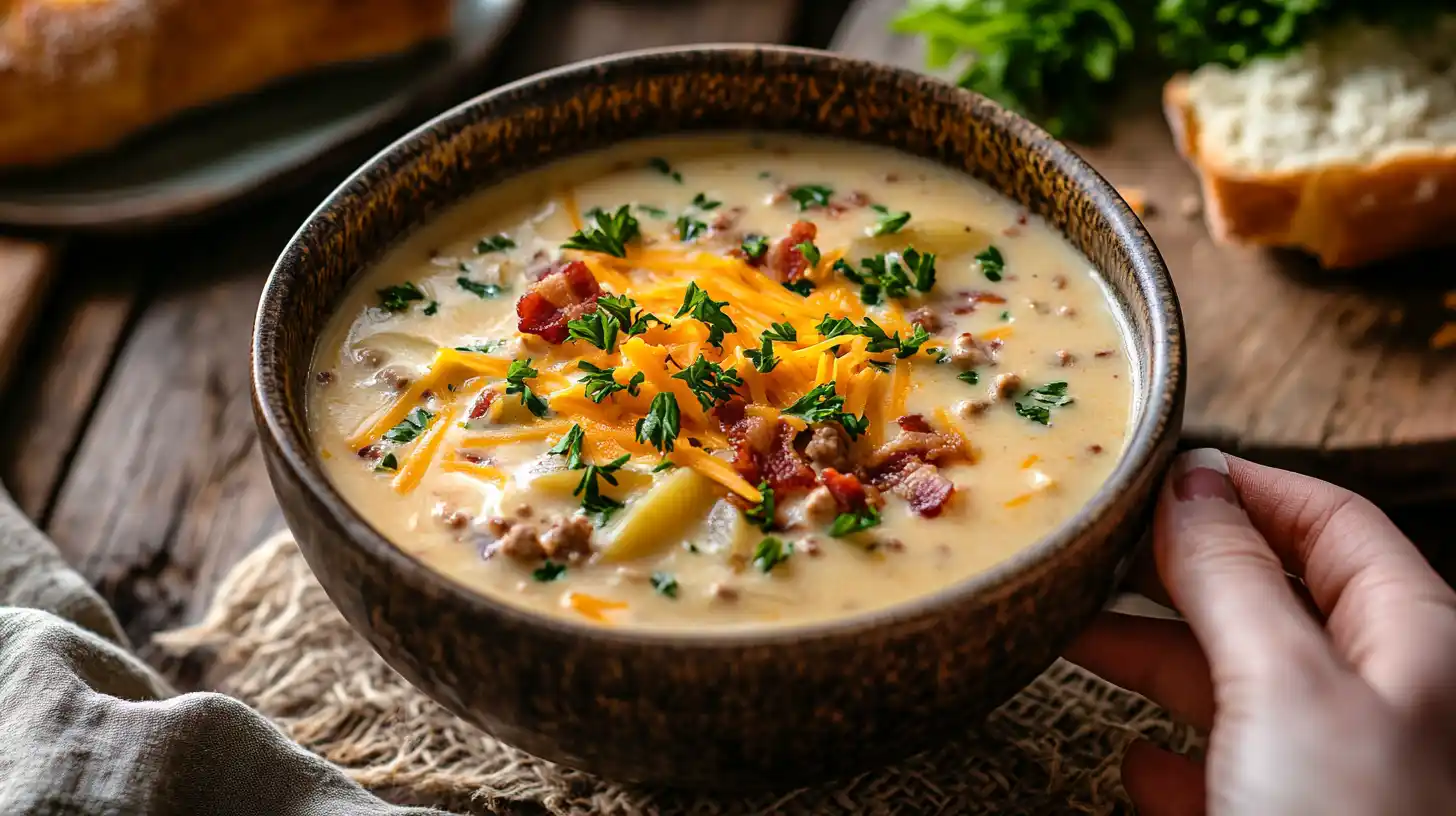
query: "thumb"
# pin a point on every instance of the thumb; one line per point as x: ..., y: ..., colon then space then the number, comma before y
x: 1225, y: 579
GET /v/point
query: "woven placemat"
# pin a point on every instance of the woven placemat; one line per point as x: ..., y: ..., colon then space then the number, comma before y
x: 277, y: 643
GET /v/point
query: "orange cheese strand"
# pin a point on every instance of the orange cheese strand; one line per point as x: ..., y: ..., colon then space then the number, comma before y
x: 419, y: 459
x: 592, y: 607
x: 573, y: 210
x: 524, y: 433
x: 685, y: 455
x: 480, y: 471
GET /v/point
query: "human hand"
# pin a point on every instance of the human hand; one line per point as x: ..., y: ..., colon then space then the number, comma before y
x: 1331, y: 694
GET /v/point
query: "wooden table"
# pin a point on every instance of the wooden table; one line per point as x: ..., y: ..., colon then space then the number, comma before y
x: 129, y: 432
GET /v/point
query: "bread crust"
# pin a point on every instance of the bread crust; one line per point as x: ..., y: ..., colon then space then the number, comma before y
x: 81, y: 75
x: 1346, y: 214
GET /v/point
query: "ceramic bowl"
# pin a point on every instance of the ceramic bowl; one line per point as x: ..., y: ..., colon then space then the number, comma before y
x: 784, y: 705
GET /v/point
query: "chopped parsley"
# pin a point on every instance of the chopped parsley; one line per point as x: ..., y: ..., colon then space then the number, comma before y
x: 882, y: 366
x: 879, y: 341
x: 810, y: 253
x: 398, y: 298
x: 822, y: 404
x: 485, y: 291
x: 570, y: 447
x: 709, y: 382
x: 516, y: 377
x: 598, y: 328
x: 549, y: 571
x: 771, y: 552
x: 922, y: 268
x: 620, y: 307
x: 495, y: 243
x: 592, y: 500
x: 609, y: 235
x: 762, y: 514
x: 709, y: 312
x: 801, y: 287
x: 754, y: 246
x: 482, y: 348
x: 831, y: 327
x: 432, y: 309
x: 992, y: 264
x: 387, y: 464
x: 665, y: 584
x: 808, y: 196
x: 969, y: 377
x: 1042, y: 400
x: 409, y: 427
x: 660, y: 165
x: 856, y: 522
x: 783, y: 332
x: 702, y: 202
x: 763, y: 358
x: 888, y: 222
x: 651, y: 211
x: 689, y: 228
x: 601, y: 383
x: 662, y: 424
x: 665, y: 464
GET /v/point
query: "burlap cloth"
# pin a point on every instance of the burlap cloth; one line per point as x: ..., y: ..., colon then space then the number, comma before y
x: 277, y: 643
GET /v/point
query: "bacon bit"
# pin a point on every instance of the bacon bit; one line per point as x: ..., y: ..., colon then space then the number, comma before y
x: 857, y: 198
x: 975, y: 298
x: 1029, y: 461
x: 785, y: 259
x: 848, y: 491
x: 567, y: 291
x: 765, y: 452
x: 1101, y: 353
x: 914, y: 423
x: 1059, y: 281
x: 1094, y: 449
x: 1022, y: 217
x: 482, y: 404
x: 370, y: 452
x: 919, y: 484
x: 472, y: 458
x: 925, y: 447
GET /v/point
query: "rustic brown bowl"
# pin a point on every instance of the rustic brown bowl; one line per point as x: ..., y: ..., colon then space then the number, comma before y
x: 773, y: 707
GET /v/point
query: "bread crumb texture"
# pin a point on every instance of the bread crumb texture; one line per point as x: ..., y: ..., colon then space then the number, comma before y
x: 1359, y: 95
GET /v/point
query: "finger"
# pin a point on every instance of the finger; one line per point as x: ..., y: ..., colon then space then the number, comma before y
x: 1226, y: 580
x: 1389, y: 614
x: 1156, y: 658
x: 1162, y: 783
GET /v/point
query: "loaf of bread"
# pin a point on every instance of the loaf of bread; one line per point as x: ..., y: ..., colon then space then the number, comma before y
x: 81, y: 75
x: 1345, y: 149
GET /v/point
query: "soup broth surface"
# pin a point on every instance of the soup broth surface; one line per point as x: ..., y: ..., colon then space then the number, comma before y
x: 723, y: 381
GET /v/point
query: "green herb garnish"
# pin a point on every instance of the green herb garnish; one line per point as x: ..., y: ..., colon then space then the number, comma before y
x: 570, y: 447
x: 549, y: 571
x: 664, y: 465
x: 662, y: 424
x: 388, y: 464
x: 810, y: 253
x: 651, y: 211
x: 855, y: 522
x: 762, y: 514
x: 660, y: 165
x: 495, y: 243
x: 398, y: 298
x: 754, y: 246
x: 811, y: 195
x: 592, y: 500
x: 831, y: 327
x: 801, y: 287
x: 409, y: 427
x: 821, y: 404
x: 771, y: 552
x: 709, y: 382
x: 969, y: 377
x: 665, y: 584
x: 689, y: 228
x: 481, y: 290
x: 992, y: 264
x: 516, y: 377
x: 432, y: 309
x: 1043, y: 399
x: 888, y: 222
x: 601, y: 383
x: 598, y: 329
x: 609, y: 235
x: 709, y: 312
x: 783, y: 332
x: 702, y: 202
x: 763, y: 358
x: 621, y: 306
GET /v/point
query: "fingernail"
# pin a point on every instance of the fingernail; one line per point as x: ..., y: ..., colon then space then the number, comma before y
x: 1203, y: 474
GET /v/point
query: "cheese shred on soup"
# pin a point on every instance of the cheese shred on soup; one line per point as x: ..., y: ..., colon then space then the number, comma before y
x: 723, y: 381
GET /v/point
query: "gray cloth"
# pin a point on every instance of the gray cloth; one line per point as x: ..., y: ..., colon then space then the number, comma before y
x: 87, y: 728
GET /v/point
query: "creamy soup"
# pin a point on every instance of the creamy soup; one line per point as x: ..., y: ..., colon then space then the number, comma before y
x: 723, y: 381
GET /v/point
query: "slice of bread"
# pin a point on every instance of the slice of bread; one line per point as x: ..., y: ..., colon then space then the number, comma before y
x: 1346, y: 149
x: 81, y: 75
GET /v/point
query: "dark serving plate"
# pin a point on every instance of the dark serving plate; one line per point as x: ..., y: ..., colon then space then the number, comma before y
x: 218, y: 154
x: 776, y: 706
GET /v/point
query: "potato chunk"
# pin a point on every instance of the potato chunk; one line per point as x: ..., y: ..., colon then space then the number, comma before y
x: 669, y: 510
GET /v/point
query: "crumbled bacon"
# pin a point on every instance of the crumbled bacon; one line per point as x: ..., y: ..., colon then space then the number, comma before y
x: 482, y: 404
x: 763, y: 451
x: 925, y: 446
x: 975, y: 298
x: 785, y: 259
x: 846, y: 488
x: 914, y: 423
x: 918, y: 483
x: 567, y: 291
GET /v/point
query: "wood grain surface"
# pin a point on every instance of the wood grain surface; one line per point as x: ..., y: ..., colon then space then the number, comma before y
x: 1330, y: 374
x: 25, y: 274
x: 140, y: 455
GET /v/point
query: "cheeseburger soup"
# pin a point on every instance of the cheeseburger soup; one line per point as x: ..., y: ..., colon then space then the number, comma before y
x: 723, y: 381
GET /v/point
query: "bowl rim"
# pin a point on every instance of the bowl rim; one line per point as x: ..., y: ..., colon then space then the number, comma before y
x: 1165, y: 377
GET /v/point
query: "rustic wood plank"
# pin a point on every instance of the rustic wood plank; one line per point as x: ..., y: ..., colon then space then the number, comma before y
x: 1313, y: 371
x: 167, y: 490
x: 26, y: 269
